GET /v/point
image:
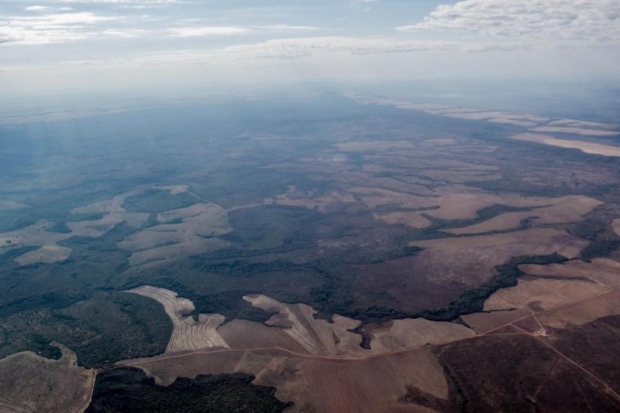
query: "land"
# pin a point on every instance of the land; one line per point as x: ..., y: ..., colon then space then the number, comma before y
x: 357, y: 254
x: 29, y: 383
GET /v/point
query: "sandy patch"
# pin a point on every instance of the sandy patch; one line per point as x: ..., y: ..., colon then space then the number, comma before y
x: 31, y: 383
x: 188, y: 333
x: 585, y: 147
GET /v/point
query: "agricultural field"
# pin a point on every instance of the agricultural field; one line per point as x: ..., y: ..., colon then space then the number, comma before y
x: 387, y: 255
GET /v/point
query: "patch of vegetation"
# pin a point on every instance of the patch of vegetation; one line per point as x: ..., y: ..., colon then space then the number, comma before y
x: 596, y: 229
x: 60, y: 227
x: 130, y: 390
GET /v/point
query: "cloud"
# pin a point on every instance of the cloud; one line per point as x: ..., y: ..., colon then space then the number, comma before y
x: 303, y: 47
x: 208, y: 31
x: 124, y: 2
x: 581, y: 20
x: 50, y: 28
x: 37, y: 8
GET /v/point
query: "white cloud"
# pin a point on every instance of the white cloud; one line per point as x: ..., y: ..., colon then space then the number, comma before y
x: 37, y: 8
x: 576, y: 20
x: 303, y: 47
x: 49, y: 28
x: 207, y: 31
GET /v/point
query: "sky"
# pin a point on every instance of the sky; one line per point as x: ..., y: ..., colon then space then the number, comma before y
x: 56, y: 46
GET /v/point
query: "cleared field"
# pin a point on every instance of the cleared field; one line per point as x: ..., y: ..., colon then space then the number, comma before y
x: 560, y: 210
x: 31, y: 383
x: 472, y: 260
x: 105, y: 207
x: 585, y: 147
x: 47, y: 254
x: 601, y: 270
x: 314, y: 335
x: 581, y: 124
x: 483, y: 322
x: 293, y: 197
x: 32, y: 235
x: 182, y: 232
x: 98, y: 227
x: 517, y: 119
x: 408, y: 218
x: 370, y: 385
x: 365, y: 146
x: 558, y: 285
x: 4, y: 204
x: 539, y: 294
x: 575, y: 130
x: 414, y: 333
x: 583, y: 312
x: 188, y: 333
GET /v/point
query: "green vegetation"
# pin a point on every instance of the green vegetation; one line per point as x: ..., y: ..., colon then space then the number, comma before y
x: 129, y: 390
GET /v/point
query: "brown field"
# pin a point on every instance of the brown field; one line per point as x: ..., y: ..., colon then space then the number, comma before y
x: 540, y: 294
x: 31, y: 383
x: 169, y: 241
x: 616, y: 226
x: 560, y: 210
x: 471, y: 260
x: 575, y: 131
x: 517, y: 119
x: 98, y: 227
x: 556, y: 285
x: 585, y: 147
x: 601, y: 270
x: 408, y: 218
x: 47, y: 254
x: 488, y: 321
x: 413, y: 333
x: 583, y: 312
x: 106, y: 207
x: 581, y: 124
x: 369, y: 385
x: 323, y: 203
x: 187, y: 333
x: 382, y: 146
x: 314, y: 335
